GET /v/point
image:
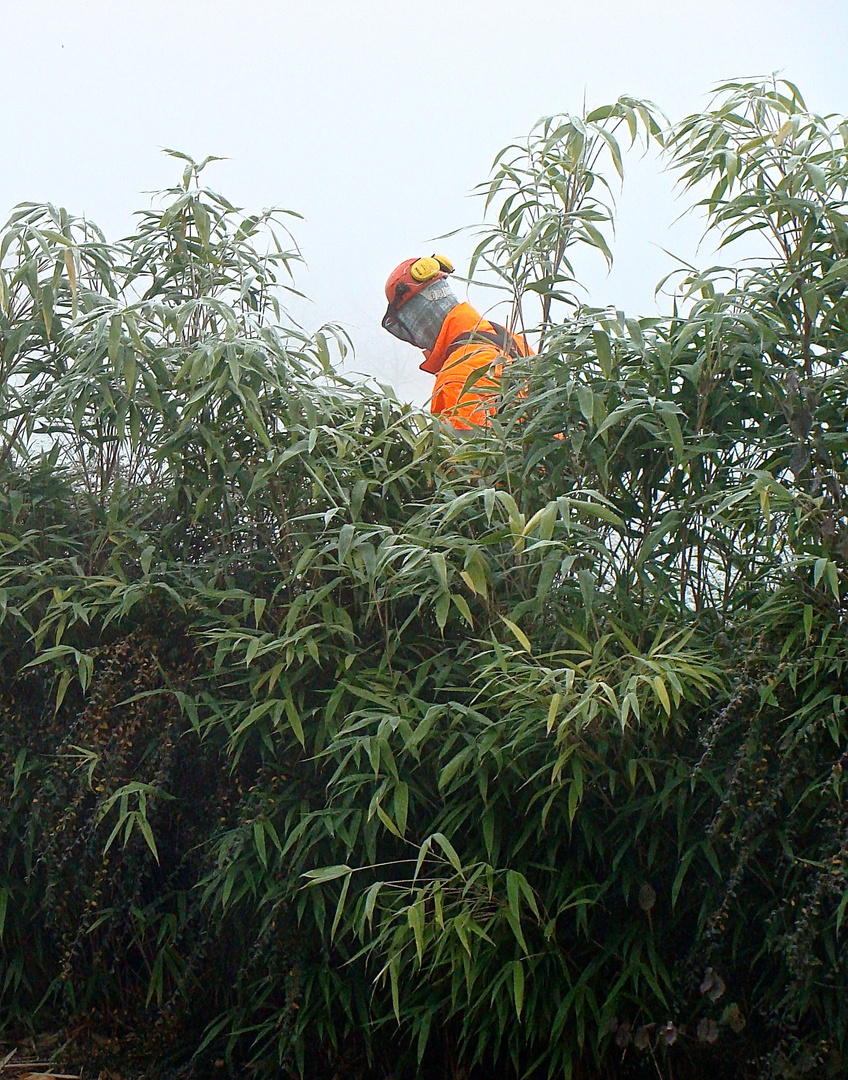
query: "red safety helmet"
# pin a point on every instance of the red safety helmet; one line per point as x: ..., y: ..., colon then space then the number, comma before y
x: 405, y: 281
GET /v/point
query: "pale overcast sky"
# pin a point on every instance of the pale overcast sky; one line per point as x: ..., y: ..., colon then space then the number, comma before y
x: 374, y: 118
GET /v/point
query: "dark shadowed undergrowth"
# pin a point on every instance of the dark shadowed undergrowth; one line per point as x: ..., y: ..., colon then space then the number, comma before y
x: 338, y: 743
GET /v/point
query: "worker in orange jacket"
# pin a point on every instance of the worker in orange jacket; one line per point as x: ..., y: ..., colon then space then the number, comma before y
x: 462, y: 349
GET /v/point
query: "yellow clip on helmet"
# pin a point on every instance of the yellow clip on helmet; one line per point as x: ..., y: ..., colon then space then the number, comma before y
x: 413, y: 275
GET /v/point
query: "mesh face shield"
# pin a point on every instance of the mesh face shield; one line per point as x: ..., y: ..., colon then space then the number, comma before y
x: 420, y: 319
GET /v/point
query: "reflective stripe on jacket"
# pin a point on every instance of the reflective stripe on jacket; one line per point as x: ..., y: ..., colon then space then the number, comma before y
x: 458, y: 362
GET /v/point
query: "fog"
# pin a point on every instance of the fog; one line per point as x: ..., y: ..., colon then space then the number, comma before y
x: 376, y: 120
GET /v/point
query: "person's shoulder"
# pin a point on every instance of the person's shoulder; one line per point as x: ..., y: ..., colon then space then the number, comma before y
x: 466, y: 358
x: 463, y: 319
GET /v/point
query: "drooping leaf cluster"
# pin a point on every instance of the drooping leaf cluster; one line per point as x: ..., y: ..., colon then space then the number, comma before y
x: 332, y: 736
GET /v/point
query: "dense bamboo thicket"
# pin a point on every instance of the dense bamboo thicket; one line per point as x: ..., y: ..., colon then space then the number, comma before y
x: 337, y: 742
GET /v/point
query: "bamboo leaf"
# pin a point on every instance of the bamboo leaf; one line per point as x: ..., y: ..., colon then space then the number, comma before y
x: 520, y: 636
x: 518, y: 986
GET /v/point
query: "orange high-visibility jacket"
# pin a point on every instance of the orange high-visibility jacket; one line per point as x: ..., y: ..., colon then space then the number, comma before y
x: 454, y: 366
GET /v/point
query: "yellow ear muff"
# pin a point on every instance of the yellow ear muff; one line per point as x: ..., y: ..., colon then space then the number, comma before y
x: 444, y: 262
x: 424, y: 269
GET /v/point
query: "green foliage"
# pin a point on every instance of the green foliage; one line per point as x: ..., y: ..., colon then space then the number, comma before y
x: 332, y: 736
x: 546, y: 191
